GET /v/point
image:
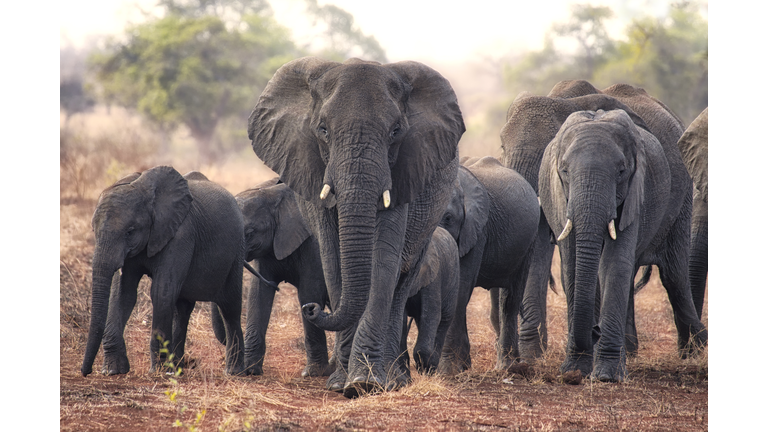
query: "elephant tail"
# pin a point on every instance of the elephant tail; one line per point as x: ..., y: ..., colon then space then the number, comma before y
x: 644, y: 279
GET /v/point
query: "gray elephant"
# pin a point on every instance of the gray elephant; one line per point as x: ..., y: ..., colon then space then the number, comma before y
x: 493, y: 216
x: 694, y: 147
x: 434, y: 305
x: 619, y: 199
x: 279, y: 241
x: 371, y: 151
x: 184, y: 233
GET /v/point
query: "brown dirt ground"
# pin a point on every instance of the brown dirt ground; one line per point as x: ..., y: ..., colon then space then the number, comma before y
x: 663, y: 392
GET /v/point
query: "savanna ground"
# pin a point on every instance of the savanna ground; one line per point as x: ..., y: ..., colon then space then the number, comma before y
x: 663, y: 392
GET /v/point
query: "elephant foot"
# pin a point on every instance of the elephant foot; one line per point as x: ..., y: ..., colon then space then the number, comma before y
x: 361, y: 385
x: 115, y: 364
x: 254, y: 365
x: 610, y: 371
x: 237, y: 368
x: 336, y: 381
x: 451, y: 366
x: 577, y: 362
x: 317, y: 369
x: 426, y: 363
x: 691, y: 347
x: 531, y: 345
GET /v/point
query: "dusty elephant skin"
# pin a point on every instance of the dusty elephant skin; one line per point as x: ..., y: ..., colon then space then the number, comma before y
x: 694, y: 147
x: 639, y: 129
x: 183, y: 232
x: 493, y: 216
x: 280, y: 242
x: 434, y: 305
x: 371, y: 152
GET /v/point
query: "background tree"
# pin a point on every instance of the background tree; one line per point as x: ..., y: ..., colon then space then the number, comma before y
x: 73, y: 97
x: 340, y: 38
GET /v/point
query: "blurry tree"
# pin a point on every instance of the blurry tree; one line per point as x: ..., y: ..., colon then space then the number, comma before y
x: 667, y: 56
x: 340, y: 38
x: 73, y: 97
x: 194, y: 68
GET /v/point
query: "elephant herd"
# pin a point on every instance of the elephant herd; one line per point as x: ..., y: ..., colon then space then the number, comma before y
x: 374, y: 218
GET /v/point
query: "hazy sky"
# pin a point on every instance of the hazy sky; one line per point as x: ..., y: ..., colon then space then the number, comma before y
x: 407, y: 29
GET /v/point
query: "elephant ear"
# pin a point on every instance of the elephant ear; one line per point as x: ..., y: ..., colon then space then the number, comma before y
x: 169, y: 201
x: 477, y: 205
x: 279, y: 128
x: 290, y: 228
x: 435, y: 127
x: 694, y: 147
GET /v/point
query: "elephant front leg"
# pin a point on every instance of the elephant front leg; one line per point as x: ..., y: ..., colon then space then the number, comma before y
x: 315, y: 342
x: 509, y: 305
x: 260, y: 300
x: 180, y: 323
x: 121, y: 303
x: 533, y: 310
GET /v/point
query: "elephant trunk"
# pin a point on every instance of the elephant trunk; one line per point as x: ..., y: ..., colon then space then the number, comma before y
x: 592, y: 211
x: 358, y: 195
x: 103, y: 271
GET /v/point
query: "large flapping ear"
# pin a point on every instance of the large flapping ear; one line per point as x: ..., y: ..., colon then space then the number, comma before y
x: 290, y: 229
x: 477, y: 205
x: 170, y: 201
x: 694, y: 147
x: 279, y: 128
x: 435, y: 127
x: 636, y: 191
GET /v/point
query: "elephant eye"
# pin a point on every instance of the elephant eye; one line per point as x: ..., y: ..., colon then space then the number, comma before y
x: 323, y: 131
x: 395, y: 131
x: 129, y: 231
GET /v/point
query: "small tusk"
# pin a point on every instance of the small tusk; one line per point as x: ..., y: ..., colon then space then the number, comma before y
x: 385, y: 196
x: 612, y: 229
x: 566, y: 230
x: 324, y: 192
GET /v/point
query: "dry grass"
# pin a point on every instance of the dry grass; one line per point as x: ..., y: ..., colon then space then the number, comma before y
x: 663, y: 392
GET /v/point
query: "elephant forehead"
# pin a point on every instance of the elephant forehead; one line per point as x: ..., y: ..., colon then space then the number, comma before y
x: 360, y: 83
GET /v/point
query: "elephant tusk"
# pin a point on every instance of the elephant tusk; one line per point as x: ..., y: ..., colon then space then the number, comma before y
x: 612, y: 229
x: 566, y: 230
x: 325, y: 191
x: 385, y: 196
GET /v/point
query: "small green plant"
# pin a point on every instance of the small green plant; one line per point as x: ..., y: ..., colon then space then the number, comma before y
x: 173, y: 392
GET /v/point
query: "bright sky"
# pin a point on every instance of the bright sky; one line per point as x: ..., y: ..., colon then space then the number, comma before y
x: 407, y: 29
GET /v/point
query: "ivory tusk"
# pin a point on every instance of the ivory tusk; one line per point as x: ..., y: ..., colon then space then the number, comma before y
x: 612, y: 229
x: 325, y: 191
x: 566, y: 230
x: 385, y: 196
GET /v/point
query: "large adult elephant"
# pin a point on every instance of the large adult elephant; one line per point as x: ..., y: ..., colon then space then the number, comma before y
x: 279, y: 242
x: 694, y: 147
x: 371, y: 151
x: 186, y: 233
x: 493, y: 216
x: 619, y: 200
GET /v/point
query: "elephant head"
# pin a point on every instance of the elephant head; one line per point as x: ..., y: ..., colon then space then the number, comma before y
x: 467, y: 213
x: 361, y: 137
x: 591, y: 183
x: 272, y: 222
x: 138, y: 214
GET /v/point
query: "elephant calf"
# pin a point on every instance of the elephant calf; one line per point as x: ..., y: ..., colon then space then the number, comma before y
x: 279, y: 241
x: 434, y: 305
x: 186, y: 234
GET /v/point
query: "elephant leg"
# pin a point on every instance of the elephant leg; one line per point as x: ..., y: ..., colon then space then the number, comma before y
x: 230, y: 305
x: 533, y: 309
x: 260, y: 300
x: 493, y: 315
x: 376, y: 345
x: 180, y: 323
x: 162, y: 328
x: 404, y: 360
x: 315, y: 342
x: 616, y: 275
x: 217, y: 324
x: 121, y: 303
x: 455, y: 356
x: 426, y: 352
x: 510, y: 297
x: 396, y: 349
x: 699, y: 263
x: 580, y: 360
x: 630, y: 331
x: 674, y: 277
